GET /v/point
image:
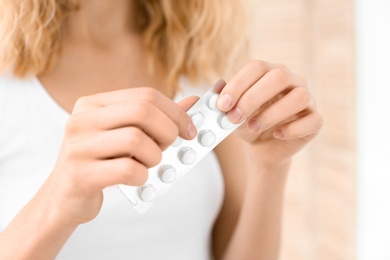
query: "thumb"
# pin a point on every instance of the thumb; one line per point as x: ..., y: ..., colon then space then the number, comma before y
x: 188, y: 102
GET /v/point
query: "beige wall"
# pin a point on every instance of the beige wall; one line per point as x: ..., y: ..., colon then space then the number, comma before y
x: 315, y: 38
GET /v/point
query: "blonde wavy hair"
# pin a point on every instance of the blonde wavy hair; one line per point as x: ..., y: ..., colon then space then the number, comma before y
x: 199, y: 39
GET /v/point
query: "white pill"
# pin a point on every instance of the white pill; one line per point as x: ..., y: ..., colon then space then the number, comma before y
x: 167, y: 174
x: 206, y: 138
x: 177, y: 142
x: 224, y: 122
x: 147, y: 193
x: 197, y: 119
x: 212, y: 102
x: 187, y: 155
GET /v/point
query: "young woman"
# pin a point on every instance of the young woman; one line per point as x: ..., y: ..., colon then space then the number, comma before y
x: 86, y: 104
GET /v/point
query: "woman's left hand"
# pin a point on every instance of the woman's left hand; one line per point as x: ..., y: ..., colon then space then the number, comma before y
x: 279, y: 110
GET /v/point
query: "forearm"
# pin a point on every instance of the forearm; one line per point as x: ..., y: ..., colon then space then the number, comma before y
x: 37, y: 232
x: 258, y: 230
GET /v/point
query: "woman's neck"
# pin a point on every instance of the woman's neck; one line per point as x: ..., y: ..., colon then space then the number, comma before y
x: 100, y: 53
x: 101, y: 22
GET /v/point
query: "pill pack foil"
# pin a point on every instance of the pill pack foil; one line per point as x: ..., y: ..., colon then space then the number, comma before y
x: 213, y: 126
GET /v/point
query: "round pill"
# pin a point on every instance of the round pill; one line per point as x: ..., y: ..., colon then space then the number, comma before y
x: 224, y: 122
x: 147, y: 193
x: 197, y: 119
x: 187, y: 155
x: 212, y: 102
x: 177, y: 142
x: 167, y: 174
x: 206, y: 138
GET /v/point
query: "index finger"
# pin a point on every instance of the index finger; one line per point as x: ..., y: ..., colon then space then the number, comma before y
x: 241, y: 82
x: 177, y: 114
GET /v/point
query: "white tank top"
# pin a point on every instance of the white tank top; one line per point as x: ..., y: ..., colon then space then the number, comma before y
x: 178, y: 226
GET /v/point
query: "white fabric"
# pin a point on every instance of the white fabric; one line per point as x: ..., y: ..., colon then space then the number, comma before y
x: 177, y: 227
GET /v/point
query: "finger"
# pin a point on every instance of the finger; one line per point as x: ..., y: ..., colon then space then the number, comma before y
x: 120, y: 96
x: 273, y: 83
x: 219, y: 85
x: 188, y: 102
x: 240, y: 82
x: 307, y: 126
x: 143, y: 95
x: 297, y: 100
x: 118, y: 171
x: 143, y: 115
x: 129, y: 142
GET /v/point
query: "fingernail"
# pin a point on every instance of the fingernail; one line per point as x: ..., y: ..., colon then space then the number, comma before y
x: 235, y: 115
x: 254, y: 126
x: 191, y: 130
x: 278, y: 133
x: 224, y: 102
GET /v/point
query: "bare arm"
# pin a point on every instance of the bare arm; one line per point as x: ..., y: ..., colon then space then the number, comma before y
x: 39, y: 230
x: 249, y: 226
x: 231, y: 159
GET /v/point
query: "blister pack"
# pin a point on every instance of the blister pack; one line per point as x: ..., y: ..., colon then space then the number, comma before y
x: 213, y: 126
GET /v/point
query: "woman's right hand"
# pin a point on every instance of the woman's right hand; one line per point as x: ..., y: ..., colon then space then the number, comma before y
x: 112, y: 138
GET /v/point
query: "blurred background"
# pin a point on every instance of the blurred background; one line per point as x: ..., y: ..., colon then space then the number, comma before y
x: 338, y: 191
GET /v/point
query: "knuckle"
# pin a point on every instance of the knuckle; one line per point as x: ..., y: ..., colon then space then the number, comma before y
x: 282, y: 66
x: 135, y: 173
x: 125, y: 167
x: 133, y: 137
x: 282, y: 75
x: 304, y: 96
x: 258, y: 63
x: 149, y: 94
x: 141, y: 110
x: 72, y: 124
x: 81, y: 102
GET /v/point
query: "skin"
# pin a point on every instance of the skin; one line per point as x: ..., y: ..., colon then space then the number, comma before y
x: 100, y: 79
